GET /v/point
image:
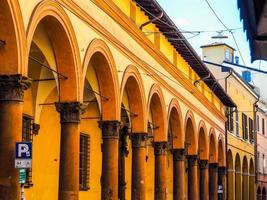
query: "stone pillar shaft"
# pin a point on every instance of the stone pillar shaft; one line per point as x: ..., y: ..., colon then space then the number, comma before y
x: 70, y: 116
x: 138, y: 166
x: 160, y: 151
x: 213, y: 181
x: 204, y: 180
x: 11, y: 111
x: 222, y: 181
x: 193, y: 186
x: 110, y: 155
x: 178, y: 174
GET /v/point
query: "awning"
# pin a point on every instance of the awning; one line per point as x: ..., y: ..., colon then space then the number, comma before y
x: 253, y: 13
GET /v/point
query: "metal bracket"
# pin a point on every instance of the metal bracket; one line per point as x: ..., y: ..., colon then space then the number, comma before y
x: 151, y: 21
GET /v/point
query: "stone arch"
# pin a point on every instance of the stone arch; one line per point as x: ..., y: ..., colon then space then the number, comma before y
x: 263, y: 193
x: 231, y: 183
x: 203, y: 141
x: 251, y: 180
x: 133, y: 85
x: 191, y: 141
x: 13, y: 37
x: 156, y: 105
x: 98, y: 54
x: 65, y: 48
x: 175, y: 122
x: 238, y: 183
x: 213, y: 147
x: 259, y: 192
x: 221, y: 152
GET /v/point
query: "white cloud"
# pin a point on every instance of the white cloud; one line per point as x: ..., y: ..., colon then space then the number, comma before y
x: 181, y: 22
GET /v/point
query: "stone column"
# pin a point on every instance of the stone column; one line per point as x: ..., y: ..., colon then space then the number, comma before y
x: 11, y: 111
x: 110, y: 156
x: 204, y: 180
x: 193, y: 185
x: 222, y: 181
x: 213, y: 181
x: 70, y: 117
x: 178, y: 174
x: 138, y: 166
x: 160, y: 151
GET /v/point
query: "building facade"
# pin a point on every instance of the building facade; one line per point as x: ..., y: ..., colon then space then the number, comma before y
x: 261, y: 150
x: 240, y: 138
x: 115, y: 108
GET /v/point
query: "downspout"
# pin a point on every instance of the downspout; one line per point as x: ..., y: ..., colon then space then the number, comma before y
x: 255, y: 109
x: 226, y: 137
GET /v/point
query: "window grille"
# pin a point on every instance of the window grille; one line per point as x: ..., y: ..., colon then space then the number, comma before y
x: 84, y: 166
x: 27, y: 136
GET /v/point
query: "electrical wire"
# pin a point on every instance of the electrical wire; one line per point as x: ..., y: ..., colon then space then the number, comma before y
x: 229, y: 30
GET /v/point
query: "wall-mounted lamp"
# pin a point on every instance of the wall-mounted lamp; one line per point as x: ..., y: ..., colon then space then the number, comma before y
x: 35, y: 129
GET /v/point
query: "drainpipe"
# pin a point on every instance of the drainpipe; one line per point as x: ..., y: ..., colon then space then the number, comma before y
x: 255, y: 109
x: 226, y: 133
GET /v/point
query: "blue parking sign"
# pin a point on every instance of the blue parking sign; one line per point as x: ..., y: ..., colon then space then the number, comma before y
x: 23, y: 150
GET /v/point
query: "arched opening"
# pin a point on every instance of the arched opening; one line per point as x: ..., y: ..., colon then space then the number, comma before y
x: 222, y: 169
x: 191, y: 150
x: 100, y: 94
x: 238, y: 183
x: 245, y: 179
x: 132, y: 122
x: 175, y: 141
x: 263, y: 193
x: 157, y: 132
x: 52, y: 67
x: 251, y: 180
x: 231, y: 177
x: 203, y: 172
x: 12, y: 42
x: 213, y: 166
x: 259, y: 197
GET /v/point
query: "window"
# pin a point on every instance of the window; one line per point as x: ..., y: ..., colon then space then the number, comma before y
x: 251, y: 136
x: 230, y: 120
x: 236, y: 123
x: 258, y: 162
x: 263, y: 127
x: 258, y: 123
x: 27, y: 136
x: 244, y: 127
x: 84, y: 161
x: 227, y: 55
x: 264, y: 164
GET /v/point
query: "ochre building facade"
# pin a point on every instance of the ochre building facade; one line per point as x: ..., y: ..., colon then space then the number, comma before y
x: 115, y: 108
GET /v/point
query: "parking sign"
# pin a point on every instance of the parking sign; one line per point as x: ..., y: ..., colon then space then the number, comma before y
x: 23, y: 158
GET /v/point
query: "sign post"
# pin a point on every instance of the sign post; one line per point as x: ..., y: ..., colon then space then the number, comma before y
x: 23, y: 160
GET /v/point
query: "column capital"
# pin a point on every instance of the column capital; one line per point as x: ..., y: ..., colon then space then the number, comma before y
x: 192, y: 160
x: 213, y: 166
x: 160, y: 148
x: 204, y: 164
x: 139, y: 140
x: 12, y: 87
x: 110, y: 129
x: 222, y: 170
x: 178, y: 154
x: 70, y: 112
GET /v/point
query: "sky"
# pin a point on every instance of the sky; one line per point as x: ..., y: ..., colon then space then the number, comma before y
x: 195, y: 15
